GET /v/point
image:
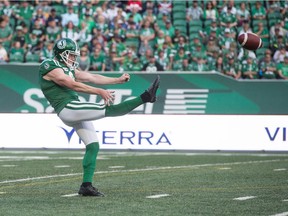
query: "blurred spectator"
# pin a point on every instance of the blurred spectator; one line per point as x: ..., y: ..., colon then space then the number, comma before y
x: 97, y: 61
x: 267, y: 52
x: 40, y: 17
x: 24, y: 13
x: 182, y: 43
x: 17, y: 48
x: 228, y: 19
x: 132, y: 34
x: 169, y: 29
x: 70, y: 16
x: 159, y: 40
x: 162, y: 21
x: 267, y: 68
x: 200, y: 65
x: 178, y: 59
x: 38, y: 30
x: 243, y: 13
x: 282, y: 69
x: 112, y: 11
x: 55, y: 17
x: 53, y: 32
x: 90, y: 23
x: 84, y: 35
x: 32, y: 41
x: 278, y: 26
x: 262, y: 32
x: 20, y: 37
x: 87, y: 8
x: 210, y: 13
x: 135, y: 15
x: 230, y: 5
x: 6, y: 33
x: 84, y: 59
x: 249, y: 69
x: 102, y: 25
x: 231, y: 68
x: 208, y: 31
x: 152, y: 65
x: 45, y: 7
x: 227, y: 39
x: 136, y: 64
x: 258, y: 11
x: 245, y: 27
x: 195, y: 12
x: 7, y: 9
x: 244, y: 54
x: 163, y: 61
x: 147, y: 35
x: 47, y: 51
x: 149, y: 16
x: 273, y: 6
x: 134, y: 4
x: 3, y: 54
x: 164, y: 6
x: 70, y: 31
x: 280, y: 54
x: 120, y: 16
x: 277, y: 41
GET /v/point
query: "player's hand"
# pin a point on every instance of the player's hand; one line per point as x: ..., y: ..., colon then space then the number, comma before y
x: 124, y: 78
x: 108, y: 96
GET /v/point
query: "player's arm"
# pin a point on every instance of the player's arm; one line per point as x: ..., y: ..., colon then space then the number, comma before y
x: 59, y: 77
x: 99, y: 79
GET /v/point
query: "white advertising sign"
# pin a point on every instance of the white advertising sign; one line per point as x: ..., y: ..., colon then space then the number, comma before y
x: 151, y: 132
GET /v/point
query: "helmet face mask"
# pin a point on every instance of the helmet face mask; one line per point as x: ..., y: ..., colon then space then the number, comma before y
x: 66, y: 50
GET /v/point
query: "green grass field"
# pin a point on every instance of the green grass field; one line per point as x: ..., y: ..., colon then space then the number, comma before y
x: 145, y: 183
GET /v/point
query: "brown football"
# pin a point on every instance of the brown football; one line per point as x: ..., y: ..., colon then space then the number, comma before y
x: 250, y: 41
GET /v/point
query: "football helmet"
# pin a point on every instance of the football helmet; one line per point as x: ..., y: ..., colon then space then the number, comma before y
x: 66, y: 50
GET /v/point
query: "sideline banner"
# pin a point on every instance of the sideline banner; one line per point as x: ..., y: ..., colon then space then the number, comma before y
x: 151, y: 132
x: 179, y: 93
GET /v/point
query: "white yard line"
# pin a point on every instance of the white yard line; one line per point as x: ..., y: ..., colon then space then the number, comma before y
x: 139, y: 170
x: 157, y: 196
x: 244, y: 198
x: 70, y: 195
x: 281, y: 169
x: 281, y: 214
x: 62, y: 166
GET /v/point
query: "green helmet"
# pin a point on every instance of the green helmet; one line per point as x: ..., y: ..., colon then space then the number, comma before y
x: 64, y: 49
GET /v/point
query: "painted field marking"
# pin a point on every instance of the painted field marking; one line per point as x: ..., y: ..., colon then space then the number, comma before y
x: 285, y: 200
x: 281, y: 214
x: 70, y: 195
x: 116, y: 167
x: 281, y: 169
x: 139, y: 170
x: 7, y: 165
x: 157, y: 196
x: 244, y: 198
x: 2, y: 192
x: 62, y: 166
x: 224, y: 168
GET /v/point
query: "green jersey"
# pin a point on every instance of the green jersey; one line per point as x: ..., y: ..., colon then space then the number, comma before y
x: 58, y: 96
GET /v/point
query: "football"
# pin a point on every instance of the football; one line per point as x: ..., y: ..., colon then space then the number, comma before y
x: 250, y: 41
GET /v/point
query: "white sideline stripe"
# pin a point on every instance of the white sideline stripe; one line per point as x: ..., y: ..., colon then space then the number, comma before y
x: 224, y: 168
x: 70, y: 195
x: 2, y: 192
x: 157, y: 196
x: 62, y: 166
x: 181, y: 91
x: 281, y: 169
x: 285, y: 200
x: 116, y: 167
x: 7, y: 165
x: 139, y: 170
x: 244, y: 198
x: 281, y: 214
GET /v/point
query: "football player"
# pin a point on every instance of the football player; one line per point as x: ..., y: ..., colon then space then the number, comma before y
x: 60, y: 82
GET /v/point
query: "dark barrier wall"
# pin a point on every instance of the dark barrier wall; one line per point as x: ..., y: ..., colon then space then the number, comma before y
x: 180, y: 93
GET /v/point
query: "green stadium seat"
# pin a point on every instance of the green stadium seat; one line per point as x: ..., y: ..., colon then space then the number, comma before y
x: 196, y: 23
x: 32, y: 58
x: 16, y: 58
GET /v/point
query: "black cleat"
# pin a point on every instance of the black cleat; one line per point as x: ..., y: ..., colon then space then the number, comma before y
x: 150, y: 94
x: 89, y: 191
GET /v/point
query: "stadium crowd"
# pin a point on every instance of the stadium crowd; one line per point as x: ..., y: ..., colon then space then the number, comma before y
x: 150, y: 35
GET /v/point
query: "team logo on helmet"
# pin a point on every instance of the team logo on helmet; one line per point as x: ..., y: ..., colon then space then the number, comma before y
x: 61, y: 44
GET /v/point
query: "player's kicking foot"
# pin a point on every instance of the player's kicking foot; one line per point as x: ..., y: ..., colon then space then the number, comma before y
x: 89, y: 191
x: 150, y: 94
